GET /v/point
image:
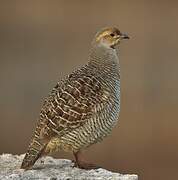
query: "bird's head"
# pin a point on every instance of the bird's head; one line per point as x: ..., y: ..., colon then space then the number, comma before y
x: 109, y: 37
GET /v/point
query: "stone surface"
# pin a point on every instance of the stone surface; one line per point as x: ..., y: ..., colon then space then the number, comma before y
x: 53, y: 169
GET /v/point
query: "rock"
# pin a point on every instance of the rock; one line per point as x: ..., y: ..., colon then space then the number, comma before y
x: 53, y: 169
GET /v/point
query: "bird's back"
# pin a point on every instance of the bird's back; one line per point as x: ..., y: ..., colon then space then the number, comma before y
x: 81, y: 109
x: 90, y: 102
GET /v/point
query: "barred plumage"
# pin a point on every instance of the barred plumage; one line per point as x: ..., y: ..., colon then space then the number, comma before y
x: 83, y: 107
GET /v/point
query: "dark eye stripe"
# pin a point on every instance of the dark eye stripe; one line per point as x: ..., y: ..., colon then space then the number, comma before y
x: 112, y: 34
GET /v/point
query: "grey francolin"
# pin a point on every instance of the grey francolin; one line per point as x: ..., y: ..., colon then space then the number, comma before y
x: 83, y: 107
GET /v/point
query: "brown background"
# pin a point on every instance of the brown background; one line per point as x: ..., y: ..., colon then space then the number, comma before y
x: 40, y: 41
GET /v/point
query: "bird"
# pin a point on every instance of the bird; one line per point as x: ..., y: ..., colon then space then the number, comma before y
x: 83, y: 107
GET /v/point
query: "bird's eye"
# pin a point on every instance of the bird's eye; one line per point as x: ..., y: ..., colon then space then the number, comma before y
x: 112, y: 34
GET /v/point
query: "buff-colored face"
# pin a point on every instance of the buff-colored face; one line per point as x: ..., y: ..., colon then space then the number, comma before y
x: 110, y: 37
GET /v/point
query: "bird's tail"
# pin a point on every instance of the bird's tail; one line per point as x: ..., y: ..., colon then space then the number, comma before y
x: 35, y: 151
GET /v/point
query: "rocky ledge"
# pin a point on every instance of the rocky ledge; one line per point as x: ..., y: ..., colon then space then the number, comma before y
x: 53, y: 169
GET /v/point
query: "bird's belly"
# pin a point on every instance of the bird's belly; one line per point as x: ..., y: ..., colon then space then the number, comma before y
x: 93, y: 131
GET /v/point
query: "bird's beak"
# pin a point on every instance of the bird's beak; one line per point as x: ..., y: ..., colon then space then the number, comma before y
x: 124, y: 36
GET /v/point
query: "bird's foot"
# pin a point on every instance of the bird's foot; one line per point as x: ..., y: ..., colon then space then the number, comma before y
x: 42, y: 161
x: 80, y: 163
x: 84, y: 165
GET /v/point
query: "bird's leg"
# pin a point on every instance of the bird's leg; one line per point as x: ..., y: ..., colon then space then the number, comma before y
x: 82, y: 164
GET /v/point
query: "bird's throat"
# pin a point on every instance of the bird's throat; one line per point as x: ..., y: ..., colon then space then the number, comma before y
x: 104, y: 59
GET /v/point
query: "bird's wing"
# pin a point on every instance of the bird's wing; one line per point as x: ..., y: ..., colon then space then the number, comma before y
x: 72, y: 102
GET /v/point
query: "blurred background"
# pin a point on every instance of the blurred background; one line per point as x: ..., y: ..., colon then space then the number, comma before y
x: 41, y: 41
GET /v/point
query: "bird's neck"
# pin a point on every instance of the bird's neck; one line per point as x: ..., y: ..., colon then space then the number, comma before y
x: 104, y: 58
